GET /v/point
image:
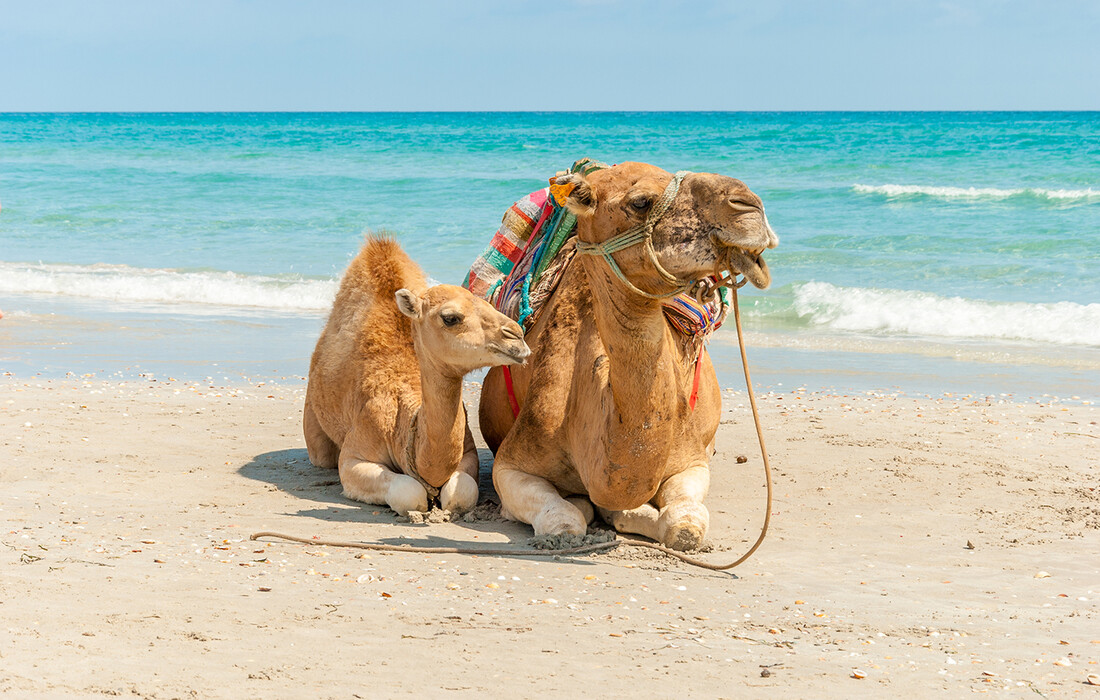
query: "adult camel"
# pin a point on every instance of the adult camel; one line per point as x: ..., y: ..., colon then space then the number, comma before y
x: 606, y: 412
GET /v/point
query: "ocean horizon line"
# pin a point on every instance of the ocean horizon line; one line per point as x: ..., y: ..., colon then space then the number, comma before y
x: 549, y: 111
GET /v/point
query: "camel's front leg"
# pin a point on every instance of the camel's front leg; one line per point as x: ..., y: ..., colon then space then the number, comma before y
x: 372, y: 482
x: 683, y: 520
x: 459, y: 493
x: 534, y: 500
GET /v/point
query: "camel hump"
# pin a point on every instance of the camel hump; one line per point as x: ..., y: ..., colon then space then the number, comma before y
x: 383, y: 267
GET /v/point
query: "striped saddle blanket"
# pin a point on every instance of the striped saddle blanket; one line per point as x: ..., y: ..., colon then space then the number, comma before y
x: 533, y: 247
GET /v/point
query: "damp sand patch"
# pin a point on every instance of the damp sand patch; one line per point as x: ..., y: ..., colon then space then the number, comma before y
x: 567, y: 541
x: 487, y: 512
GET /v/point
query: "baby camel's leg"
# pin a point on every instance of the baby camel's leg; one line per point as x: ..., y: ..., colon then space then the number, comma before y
x: 372, y: 482
x: 323, y: 452
x: 459, y: 493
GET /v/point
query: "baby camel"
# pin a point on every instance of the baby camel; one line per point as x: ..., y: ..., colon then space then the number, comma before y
x: 384, y: 400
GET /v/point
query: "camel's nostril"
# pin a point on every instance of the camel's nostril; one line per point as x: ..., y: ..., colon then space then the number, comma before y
x: 512, y: 332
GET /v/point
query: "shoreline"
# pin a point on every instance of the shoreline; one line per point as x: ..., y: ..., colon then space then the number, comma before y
x: 129, y: 505
x: 59, y: 340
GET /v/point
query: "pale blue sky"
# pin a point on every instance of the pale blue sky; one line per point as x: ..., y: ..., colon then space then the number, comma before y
x: 207, y: 55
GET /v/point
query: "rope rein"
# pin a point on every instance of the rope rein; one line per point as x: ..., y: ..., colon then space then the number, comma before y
x: 599, y: 547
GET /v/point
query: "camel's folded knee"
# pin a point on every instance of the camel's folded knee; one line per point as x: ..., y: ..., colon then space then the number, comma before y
x: 581, y: 503
x: 683, y: 526
x: 405, y: 494
x: 561, y: 518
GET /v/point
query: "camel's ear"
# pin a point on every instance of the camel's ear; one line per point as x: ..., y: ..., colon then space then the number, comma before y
x: 577, y: 194
x: 407, y: 303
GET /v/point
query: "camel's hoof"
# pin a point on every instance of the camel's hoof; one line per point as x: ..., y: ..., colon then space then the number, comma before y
x: 560, y: 519
x: 459, y: 494
x: 684, y: 527
x: 406, y: 494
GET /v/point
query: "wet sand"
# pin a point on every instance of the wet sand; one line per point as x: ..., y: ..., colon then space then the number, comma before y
x: 919, y: 546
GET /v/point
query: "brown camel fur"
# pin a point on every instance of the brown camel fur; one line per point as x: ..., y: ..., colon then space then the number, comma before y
x: 604, y: 402
x: 390, y: 360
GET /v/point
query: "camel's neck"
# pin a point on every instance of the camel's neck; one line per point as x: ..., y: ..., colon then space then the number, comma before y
x: 645, y: 377
x: 644, y: 364
x: 441, y: 423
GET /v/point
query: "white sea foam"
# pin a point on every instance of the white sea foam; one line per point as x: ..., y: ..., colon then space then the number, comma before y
x: 979, y: 192
x: 920, y: 313
x: 131, y: 284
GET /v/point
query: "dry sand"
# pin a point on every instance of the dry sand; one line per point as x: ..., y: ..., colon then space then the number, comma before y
x: 919, y: 547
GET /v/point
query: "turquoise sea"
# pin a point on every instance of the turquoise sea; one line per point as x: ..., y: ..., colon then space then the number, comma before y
x: 919, y: 252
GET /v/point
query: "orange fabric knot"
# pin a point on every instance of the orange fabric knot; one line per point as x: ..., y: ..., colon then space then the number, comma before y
x: 561, y: 192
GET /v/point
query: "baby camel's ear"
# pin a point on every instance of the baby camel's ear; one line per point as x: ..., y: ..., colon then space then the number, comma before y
x: 578, y: 195
x: 407, y: 303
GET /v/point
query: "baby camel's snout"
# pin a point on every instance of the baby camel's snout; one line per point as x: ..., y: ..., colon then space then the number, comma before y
x: 514, y: 345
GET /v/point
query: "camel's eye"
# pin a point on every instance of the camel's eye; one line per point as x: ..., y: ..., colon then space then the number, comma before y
x: 641, y: 203
x: 450, y: 320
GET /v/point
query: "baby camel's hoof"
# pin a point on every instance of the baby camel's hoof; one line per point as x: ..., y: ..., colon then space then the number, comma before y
x: 406, y: 494
x: 459, y: 494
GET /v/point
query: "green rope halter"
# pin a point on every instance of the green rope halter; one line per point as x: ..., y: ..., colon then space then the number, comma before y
x: 642, y: 233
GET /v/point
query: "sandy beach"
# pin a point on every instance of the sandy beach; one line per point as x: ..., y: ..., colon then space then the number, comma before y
x: 919, y: 546
x: 184, y: 187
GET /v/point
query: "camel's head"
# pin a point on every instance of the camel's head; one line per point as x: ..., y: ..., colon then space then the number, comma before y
x: 459, y: 331
x: 714, y: 223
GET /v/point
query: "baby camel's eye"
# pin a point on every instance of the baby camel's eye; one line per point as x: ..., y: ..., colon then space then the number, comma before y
x: 641, y: 203
x: 450, y: 319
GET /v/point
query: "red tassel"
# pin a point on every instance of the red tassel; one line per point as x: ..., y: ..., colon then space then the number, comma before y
x: 512, y: 391
x: 694, y: 382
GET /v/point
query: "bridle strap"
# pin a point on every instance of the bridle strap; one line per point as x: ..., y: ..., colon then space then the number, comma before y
x: 642, y: 233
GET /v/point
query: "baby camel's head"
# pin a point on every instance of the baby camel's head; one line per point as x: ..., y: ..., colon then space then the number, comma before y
x: 461, y: 332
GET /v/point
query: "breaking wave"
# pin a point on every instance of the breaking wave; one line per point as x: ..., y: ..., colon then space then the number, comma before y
x: 131, y: 284
x: 1061, y: 196
x: 924, y: 314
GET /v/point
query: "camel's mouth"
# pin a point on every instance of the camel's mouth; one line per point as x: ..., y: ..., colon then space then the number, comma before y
x: 515, y: 354
x: 750, y: 263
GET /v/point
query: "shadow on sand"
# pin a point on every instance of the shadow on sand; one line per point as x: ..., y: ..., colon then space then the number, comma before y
x: 290, y: 471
